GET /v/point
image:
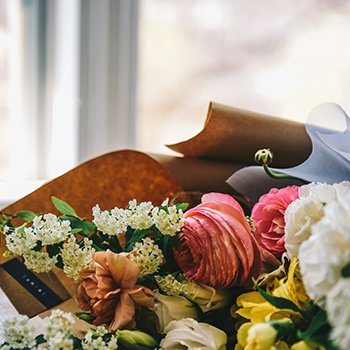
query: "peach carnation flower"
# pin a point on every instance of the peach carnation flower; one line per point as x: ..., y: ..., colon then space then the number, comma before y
x: 109, y: 292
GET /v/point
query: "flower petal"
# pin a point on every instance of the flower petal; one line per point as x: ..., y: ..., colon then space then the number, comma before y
x: 142, y: 296
x: 124, y: 271
x: 123, y: 314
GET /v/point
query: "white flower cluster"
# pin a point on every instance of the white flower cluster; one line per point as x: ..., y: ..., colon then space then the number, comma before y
x: 39, y: 261
x: 21, y: 241
x: 57, y: 328
x: 90, y: 343
x: 318, y: 233
x: 47, y: 230
x: 147, y: 256
x: 75, y: 258
x: 168, y: 223
x: 138, y: 216
x: 51, y: 230
x: 17, y: 333
x: 174, y: 287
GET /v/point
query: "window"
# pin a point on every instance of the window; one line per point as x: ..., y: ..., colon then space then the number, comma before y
x: 276, y: 57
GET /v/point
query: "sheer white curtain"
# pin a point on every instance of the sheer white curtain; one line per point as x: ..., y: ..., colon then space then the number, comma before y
x: 72, y: 86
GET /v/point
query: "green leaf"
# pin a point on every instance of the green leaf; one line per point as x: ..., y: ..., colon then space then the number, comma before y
x: 85, y: 316
x: 26, y: 215
x: 53, y: 249
x: 147, y: 281
x: 345, y: 271
x: 76, y: 223
x: 90, y: 226
x: 76, y: 230
x: 59, y: 263
x: 280, y: 303
x: 139, y: 234
x: 319, y: 321
x: 323, y: 339
x: 174, y: 242
x: 128, y: 235
x: 63, y: 207
x: 115, y: 245
x: 133, y: 236
x: 182, y: 206
x: 40, y: 339
x: 76, y: 342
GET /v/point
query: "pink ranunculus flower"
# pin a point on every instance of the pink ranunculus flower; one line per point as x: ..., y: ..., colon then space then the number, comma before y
x: 216, y: 246
x: 268, y: 218
x: 110, y: 293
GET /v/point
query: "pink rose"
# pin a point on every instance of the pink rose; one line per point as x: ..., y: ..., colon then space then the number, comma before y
x: 268, y: 218
x: 216, y: 246
x: 110, y: 293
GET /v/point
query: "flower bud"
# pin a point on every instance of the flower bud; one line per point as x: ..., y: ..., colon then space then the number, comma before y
x: 263, y: 156
x: 136, y: 340
x: 262, y: 335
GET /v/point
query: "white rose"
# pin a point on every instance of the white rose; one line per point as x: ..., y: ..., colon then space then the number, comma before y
x: 303, y: 213
x: 338, y: 313
x: 300, y: 216
x: 189, y: 334
x: 208, y: 298
x: 170, y: 308
x: 327, y: 251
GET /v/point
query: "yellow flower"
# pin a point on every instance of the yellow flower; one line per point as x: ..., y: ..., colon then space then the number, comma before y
x: 255, y: 308
x: 291, y: 287
x: 261, y: 336
x: 306, y: 345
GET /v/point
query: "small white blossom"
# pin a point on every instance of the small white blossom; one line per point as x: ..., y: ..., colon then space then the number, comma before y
x: 165, y: 203
x: 49, y: 230
x: 76, y: 259
x: 174, y: 287
x: 39, y: 261
x: 138, y: 216
x: 91, y: 343
x: 147, y: 256
x: 58, y: 327
x: 114, y: 222
x: 17, y: 333
x: 168, y: 224
x: 19, y: 242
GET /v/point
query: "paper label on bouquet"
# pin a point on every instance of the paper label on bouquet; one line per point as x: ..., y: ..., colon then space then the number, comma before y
x: 31, y: 283
x: 329, y: 129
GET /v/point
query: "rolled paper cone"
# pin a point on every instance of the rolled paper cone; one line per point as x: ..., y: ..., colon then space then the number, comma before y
x: 234, y: 135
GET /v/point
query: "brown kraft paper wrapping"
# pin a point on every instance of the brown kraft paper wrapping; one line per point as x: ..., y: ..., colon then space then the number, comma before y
x: 234, y: 135
x: 110, y: 180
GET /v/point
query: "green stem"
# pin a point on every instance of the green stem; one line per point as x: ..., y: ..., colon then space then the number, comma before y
x: 282, y: 176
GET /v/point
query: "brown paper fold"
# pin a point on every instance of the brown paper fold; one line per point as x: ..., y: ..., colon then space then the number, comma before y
x: 234, y: 135
x: 202, y: 175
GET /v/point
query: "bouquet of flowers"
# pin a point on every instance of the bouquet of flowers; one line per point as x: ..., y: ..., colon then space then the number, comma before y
x: 168, y: 277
